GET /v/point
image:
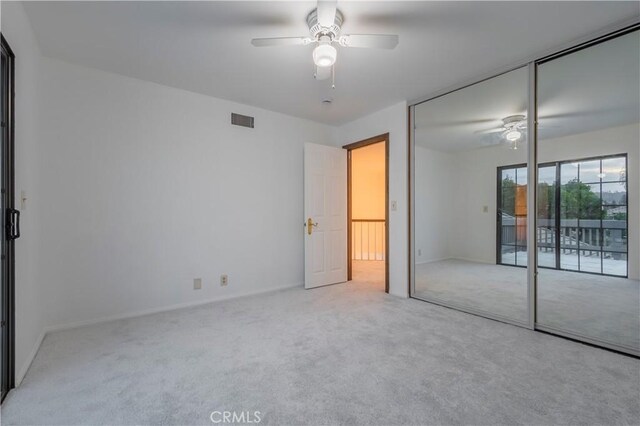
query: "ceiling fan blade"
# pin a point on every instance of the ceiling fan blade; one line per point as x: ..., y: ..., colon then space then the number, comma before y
x: 453, y: 123
x: 323, y: 73
x: 490, y: 141
x: 371, y: 41
x: 281, y: 41
x: 486, y: 132
x: 326, y: 12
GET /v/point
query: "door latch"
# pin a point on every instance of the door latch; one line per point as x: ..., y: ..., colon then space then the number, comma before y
x: 310, y: 225
x: 13, y: 224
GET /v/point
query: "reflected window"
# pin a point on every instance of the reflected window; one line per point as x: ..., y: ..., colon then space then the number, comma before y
x: 582, y: 215
x: 512, y: 215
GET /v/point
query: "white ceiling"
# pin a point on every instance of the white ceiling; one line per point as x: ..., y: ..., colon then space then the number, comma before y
x: 592, y: 89
x: 450, y: 122
x: 205, y: 46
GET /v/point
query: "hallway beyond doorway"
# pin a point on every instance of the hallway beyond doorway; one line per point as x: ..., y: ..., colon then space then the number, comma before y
x: 368, y: 204
x: 370, y: 272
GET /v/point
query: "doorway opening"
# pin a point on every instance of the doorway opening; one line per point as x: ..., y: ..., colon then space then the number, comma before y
x: 368, y: 211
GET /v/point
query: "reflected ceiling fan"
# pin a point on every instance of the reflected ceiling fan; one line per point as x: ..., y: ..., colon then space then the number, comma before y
x: 513, y: 130
x: 325, y: 23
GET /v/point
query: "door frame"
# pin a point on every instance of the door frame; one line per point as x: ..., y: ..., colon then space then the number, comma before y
x: 8, y: 308
x: 383, y: 138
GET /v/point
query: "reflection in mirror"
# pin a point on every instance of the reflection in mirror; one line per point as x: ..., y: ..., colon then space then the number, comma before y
x: 587, y: 202
x: 470, y: 205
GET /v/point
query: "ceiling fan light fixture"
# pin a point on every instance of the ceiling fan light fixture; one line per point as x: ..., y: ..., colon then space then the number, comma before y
x: 513, y: 135
x: 325, y: 29
x: 324, y: 55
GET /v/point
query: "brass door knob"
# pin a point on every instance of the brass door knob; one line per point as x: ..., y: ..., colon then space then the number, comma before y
x: 310, y: 225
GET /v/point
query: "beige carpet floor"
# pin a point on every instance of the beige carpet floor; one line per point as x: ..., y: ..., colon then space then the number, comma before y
x: 598, y: 307
x: 346, y: 354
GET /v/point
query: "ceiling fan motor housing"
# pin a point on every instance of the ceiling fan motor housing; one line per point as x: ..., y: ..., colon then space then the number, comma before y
x: 514, y: 121
x: 317, y: 31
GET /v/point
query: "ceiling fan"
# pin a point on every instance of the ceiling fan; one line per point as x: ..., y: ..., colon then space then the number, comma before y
x: 325, y: 23
x: 513, y: 130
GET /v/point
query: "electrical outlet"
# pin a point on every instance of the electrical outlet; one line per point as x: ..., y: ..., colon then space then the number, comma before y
x: 197, y: 283
x: 224, y: 280
x: 419, y: 252
x: 485, y: 209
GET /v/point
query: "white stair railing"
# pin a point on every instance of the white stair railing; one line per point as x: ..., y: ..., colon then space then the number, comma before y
x: 368, y: 239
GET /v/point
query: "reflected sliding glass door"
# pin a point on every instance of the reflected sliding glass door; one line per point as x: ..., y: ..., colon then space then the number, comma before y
x: 512, y: 215
x: 582, y: 220
x: 593, y: 216
x: 547, y: 227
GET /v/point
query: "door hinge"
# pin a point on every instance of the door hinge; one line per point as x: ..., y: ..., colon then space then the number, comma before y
x: 3, y: 323
x: 4, y: 124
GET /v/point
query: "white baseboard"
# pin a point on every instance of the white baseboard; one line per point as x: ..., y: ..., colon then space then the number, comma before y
x: 135, y: 314
x: 456, y: 258
x: 71, y: 325
x: 401, y: 295
x: 32, y: 355
x: 487, y: 262
x: 422, y: 262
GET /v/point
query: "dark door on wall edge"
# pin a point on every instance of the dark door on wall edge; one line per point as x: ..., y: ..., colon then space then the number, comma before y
x: 9, y: 217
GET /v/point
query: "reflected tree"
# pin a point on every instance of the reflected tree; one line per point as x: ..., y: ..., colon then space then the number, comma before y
x: 578, y: 201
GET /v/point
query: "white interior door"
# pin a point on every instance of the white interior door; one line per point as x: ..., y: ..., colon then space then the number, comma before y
x: 325, y: 210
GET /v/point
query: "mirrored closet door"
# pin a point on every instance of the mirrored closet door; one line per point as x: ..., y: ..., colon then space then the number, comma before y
x: 588, y: 212
x: 470, y: 189
x: 490, y: 193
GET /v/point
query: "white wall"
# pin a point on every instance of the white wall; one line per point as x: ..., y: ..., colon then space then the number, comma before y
x: 394, y: 121
x: 29, y: 299
x: 436, y: 180
x: 473, y: 230
x: 135, y: 189
x: 146, y: 187
x: 452, y: 190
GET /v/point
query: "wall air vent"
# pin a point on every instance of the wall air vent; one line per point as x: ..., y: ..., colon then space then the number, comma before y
x: 241, y: 120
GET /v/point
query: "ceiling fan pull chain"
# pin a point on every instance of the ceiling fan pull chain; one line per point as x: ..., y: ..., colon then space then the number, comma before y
x: 333, y: 76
